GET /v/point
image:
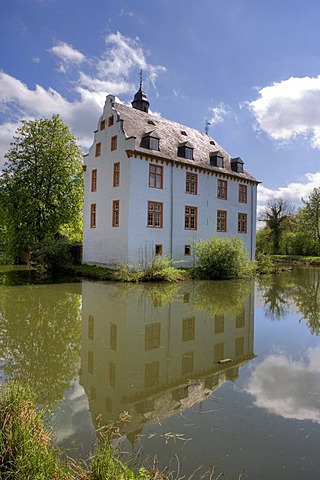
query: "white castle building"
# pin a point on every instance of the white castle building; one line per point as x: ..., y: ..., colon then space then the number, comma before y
x: 153, y: 186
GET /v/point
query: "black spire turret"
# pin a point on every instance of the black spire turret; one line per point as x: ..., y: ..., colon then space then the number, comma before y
x: 140, y: 101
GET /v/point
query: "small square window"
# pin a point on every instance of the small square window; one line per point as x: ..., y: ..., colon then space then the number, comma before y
x: 158, y: 249
x: 187, y: 249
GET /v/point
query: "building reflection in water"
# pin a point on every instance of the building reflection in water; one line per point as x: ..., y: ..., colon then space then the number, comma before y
x: 151, y: 351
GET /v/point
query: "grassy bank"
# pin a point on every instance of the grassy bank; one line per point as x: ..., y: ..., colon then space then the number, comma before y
x: 158, y: 270
x: 297, y: 259
x: 27, y: 451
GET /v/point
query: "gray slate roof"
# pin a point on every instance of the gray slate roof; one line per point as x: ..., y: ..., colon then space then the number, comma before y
x: 135, y: 124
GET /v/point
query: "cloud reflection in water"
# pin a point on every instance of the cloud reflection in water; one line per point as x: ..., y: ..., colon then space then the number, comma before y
x: 287, y: 387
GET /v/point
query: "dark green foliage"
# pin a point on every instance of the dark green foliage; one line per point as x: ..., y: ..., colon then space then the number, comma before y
x: 160, y: 269
x: 41, y: 186
x: 222, y: 258
x: 54, y: 255
x: 264, y: 264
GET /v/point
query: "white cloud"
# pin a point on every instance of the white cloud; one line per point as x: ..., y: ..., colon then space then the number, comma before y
x: 290, y: 108
x: 67, y: 53
x: 95, y: 78
x: 287, y: 387
x: 293, y: 192
x: 218, y: 113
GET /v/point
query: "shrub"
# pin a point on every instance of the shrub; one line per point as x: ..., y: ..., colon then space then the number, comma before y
x: 160, y: 269
x: 127, y: 274
x: 53, y: 254
x: 264, y: 264
x: 222, y: 258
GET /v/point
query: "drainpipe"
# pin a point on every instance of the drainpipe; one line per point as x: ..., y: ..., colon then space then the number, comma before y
x: 171, y: 212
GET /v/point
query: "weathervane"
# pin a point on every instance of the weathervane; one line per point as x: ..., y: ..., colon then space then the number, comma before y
x: 140, y: 76
x: 206, y: 128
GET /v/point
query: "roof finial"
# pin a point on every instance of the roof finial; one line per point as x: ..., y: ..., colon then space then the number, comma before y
x: 207, y: 125
x: 140, y: 101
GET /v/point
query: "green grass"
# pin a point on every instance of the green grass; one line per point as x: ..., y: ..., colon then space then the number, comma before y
x: 297, y: 258
x: 27, y: 451
x: 158, y: 270
x: 25, y: 446
x: 93, y: 272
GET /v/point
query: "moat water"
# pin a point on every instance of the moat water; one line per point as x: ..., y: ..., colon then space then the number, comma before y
x: 211, y: 373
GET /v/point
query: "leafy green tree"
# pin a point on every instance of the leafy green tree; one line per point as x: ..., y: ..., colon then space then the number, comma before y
x: 276, y: 215
x: 263, y: 244
x: 310, y: 215
x: 41, y: 186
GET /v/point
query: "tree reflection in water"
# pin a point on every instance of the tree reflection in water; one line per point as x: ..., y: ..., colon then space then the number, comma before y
x: 299, y: 291
x: 40, y: 336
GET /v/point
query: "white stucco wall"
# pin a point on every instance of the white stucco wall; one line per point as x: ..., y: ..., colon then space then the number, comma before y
x: 133, y: 240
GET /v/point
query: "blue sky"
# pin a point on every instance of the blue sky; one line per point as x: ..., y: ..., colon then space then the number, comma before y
x: 251, y: 68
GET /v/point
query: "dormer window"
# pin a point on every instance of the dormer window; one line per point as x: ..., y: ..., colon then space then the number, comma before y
x: 216, y: 159
x: 237, y: 165
x: 151, y: 141
x: 185, y: 150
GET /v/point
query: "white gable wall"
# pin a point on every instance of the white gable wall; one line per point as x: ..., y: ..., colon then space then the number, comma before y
x: 105, y: 244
